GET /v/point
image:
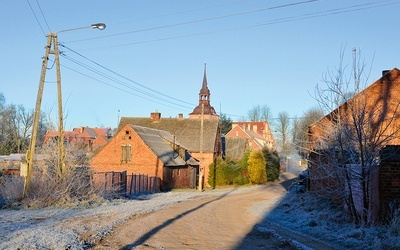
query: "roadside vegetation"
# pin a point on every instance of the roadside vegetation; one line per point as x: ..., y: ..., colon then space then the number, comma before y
x: 47, y: 188
x: 255, y: 167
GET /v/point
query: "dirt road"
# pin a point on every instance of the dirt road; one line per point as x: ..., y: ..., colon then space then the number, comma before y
x: 224, y: 222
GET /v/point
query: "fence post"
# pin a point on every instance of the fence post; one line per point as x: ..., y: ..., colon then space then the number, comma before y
x: 123, y: 182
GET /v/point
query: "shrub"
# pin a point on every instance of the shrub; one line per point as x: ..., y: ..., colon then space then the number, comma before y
x: 11, y: 188
x: 223, y: 172
x: 256, y: 167
x: 272, y: 164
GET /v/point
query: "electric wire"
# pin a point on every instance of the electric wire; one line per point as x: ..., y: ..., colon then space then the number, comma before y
x: 44, y: 18
x: 197, y: 21
x: 124, y: 77
x: 123, y: 84
x: 180, y: 12
x: 318, y: 14
x: 121, y: 89
x: 37, y: 20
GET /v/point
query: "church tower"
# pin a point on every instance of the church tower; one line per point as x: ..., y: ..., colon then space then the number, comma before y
x: 204, y: 101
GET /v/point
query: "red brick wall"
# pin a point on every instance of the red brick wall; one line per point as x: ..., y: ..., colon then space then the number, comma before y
x: 389, y: 185
x: 380, y: 104
x: 144, y: 161
x: 208, y: 158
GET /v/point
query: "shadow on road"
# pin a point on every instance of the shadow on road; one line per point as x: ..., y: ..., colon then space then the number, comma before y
x: 152, y: 232
x: 266, y: 229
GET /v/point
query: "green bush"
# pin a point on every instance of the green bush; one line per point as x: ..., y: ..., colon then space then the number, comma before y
x: 272, y: 164
x: 228, y: 172
x: 257, y: 167
x: 223, y: 172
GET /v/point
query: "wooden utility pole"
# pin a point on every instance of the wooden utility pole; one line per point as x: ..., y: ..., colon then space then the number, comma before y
x: 31, y: 151
x: 201, y: 149
x: 51, y: 43
x: 61, y: 151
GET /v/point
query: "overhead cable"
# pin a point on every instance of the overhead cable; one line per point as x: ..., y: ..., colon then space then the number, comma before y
x: 197, y: 21
x: 124, y: 77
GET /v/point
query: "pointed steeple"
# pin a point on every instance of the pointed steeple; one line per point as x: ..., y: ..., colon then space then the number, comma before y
x: 204, y: 89
x: 204, y: 100
x: 204, y: 95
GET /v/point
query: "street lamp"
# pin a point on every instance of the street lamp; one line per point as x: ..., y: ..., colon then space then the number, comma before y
x: 50, y: 48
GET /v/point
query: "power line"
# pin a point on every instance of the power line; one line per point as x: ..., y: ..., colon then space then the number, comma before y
x: 37, y: 20
x: 198, y: 20
x: 124, y: 77
x: 44, y: 18
x: 120, y: 83
x: 330, y: 12
x: 180, y: 12
x: 118, y: 88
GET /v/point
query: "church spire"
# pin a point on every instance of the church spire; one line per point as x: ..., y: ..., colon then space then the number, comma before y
x: 204, y: 95
x: 204, y: 88
x: 204, y: 100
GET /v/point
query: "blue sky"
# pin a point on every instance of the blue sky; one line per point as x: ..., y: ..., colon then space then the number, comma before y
x: 151, y: 55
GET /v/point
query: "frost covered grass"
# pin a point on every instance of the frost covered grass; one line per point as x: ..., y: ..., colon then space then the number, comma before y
x: 323, y: 220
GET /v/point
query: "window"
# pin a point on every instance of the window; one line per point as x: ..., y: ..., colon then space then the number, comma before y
x: 126, y: 155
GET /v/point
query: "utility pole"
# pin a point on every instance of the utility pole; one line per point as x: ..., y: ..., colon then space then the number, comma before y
x: 51, y: 48
x: 31, y: 151
x: 201, y: 149
x: 61, y: 151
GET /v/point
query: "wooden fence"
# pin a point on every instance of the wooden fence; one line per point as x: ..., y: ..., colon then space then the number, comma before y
x: 123, y: 184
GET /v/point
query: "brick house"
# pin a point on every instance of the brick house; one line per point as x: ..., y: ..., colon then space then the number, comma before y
x: 202, y: 125
x: 153, y: 152
x: 380, y: 105
x: 257, y: 134
x: 188, y: 132
x: 92, y: 138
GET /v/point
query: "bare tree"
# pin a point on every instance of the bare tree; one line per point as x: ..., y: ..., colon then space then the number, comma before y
x: 15, y: 125
x: 260, y: 113
x: 266, y: 113
x: 283, y: 131
x: 300, y: 129
x: 345, y: 144
x: 254, y: 114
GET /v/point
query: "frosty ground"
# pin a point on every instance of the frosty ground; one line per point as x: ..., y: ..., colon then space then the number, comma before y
x: 82, y: 225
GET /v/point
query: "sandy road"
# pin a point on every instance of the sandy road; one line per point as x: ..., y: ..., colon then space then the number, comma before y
x: 221, y: 222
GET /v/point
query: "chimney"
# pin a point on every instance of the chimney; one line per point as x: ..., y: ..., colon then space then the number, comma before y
x: 180, y: 115
x: 384, y: 72
x: 155, y: 116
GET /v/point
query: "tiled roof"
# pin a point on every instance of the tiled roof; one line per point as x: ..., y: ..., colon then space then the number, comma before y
x: 156, y: 140
x: 186, y: 131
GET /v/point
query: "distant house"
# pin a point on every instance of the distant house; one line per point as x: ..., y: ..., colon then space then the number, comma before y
x: 201, y: 126
x: 10, y: 164
x: 257, y: 134
x: 92, y: 138
x: 153, y: 152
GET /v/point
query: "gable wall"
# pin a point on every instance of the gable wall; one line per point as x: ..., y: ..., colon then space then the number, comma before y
x: 144, y: 161
x: 241, y: 134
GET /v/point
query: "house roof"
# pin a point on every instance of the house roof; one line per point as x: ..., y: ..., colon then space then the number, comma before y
x: 186, y: 131
x: 235, y: 147
x: 252, y: 135
x: 156, y: 140
x: 388, y: 79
